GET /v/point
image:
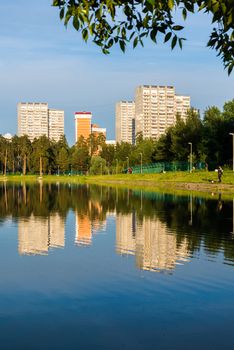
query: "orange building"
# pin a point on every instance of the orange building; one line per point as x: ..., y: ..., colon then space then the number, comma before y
x: 83, y: 124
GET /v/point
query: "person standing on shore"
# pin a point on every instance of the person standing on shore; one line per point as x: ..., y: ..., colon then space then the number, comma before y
x: 220, y: 173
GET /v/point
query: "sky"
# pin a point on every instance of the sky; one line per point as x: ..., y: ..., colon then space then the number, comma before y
x: 42, y: 61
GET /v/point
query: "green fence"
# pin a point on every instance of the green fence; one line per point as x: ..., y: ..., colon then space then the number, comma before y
x: 165, y: 166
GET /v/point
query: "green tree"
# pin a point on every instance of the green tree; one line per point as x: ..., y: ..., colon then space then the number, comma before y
x: 108, y: 153
x: 147, y: 147
x: 216, y: 141
x: 228, y: 117
x: 63, y: 159
x: 121, y: 22
x: 24, y: 151
x: 42, y: 158
x: 213, y: 128
x: 228, y: 111
x: 123, y: 150
x: 174, y: 144
x: 80, y: 155
x: 98, y: 166
x: 163, y: 152
x: 4, y: 152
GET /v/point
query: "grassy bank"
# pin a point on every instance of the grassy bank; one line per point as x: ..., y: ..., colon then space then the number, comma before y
x: 168, y: 182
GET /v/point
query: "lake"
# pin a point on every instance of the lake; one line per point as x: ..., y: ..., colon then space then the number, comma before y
x: 89, y: 267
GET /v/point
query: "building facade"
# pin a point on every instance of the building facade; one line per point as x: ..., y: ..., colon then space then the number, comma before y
x: 82, y: 124
x: 56, y: 124
x: 33, y: 120
x: 182, y: 105
x: 36, y: 119
x: 125, y: 121
x: 156, y: 109
x: 97, y: 131
x: 111, y: 142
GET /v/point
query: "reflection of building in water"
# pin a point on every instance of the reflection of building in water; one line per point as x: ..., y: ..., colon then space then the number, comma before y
x: 125, y: 239
x: 56, y: 230
x: 37, y: 234
x: 96, y: 210
x: 154, y: 246
x: 89, y: 223
x: 83, y: 230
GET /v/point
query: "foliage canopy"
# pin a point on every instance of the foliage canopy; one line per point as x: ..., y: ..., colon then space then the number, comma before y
x: 121, y: 22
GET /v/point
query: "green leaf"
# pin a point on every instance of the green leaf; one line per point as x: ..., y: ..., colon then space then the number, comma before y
x: 171, y: 4
x: 153, y: 34
x: 141, y: 42
x: 76, y: 23
x: 177, y: 27
x: 152, y: 2
x: 229, y: 19
x: 189, y: 6
x: 202, y: 6
x: 67, y: 17
x: 174, y: 41
x: 122, y: 45
x: 184, y: 13
x: 230, y: 68
x: 62, y: 13
x: 85, y: 34
x: 181, y: 43
x: 110, y: 43
x: 135, y: 42
x: 131, y: 36
x: 105, y: 51
x: 167, y: 37
x: 216, y: 7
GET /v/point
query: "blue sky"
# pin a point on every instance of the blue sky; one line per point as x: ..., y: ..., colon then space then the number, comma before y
x: 40, y: 60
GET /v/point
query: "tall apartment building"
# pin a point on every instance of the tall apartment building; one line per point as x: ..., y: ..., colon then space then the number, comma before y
x: 36, y: 119
x: 56, y: 124
x: 182, y: 105
x: 83, y: 124
x: 33, y: 120
x: 125, y: 121
x: 156, y: 108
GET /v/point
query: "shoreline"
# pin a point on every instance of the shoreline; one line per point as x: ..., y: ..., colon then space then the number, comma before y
x: 180, y: 183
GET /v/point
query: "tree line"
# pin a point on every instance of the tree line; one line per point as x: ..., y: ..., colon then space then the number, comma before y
x: 210, y: 138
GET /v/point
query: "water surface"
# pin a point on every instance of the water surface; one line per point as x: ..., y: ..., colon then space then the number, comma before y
x: 86, y: 267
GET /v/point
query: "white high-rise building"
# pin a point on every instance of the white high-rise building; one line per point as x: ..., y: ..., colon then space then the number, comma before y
x: 56, y: 124
x: 125, y: 121
x: 33, y: 120
x: 156, y: 108
x: 182, y: 105
x: 36, y: 119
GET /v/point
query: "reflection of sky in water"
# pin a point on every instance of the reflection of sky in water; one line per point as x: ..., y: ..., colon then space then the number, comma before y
x: 84, y: 278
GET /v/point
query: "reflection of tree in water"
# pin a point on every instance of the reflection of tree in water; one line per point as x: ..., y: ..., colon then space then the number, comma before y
x: 211, y: 224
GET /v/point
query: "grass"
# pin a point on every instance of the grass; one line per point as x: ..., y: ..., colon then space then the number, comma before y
x: 171, y: 182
